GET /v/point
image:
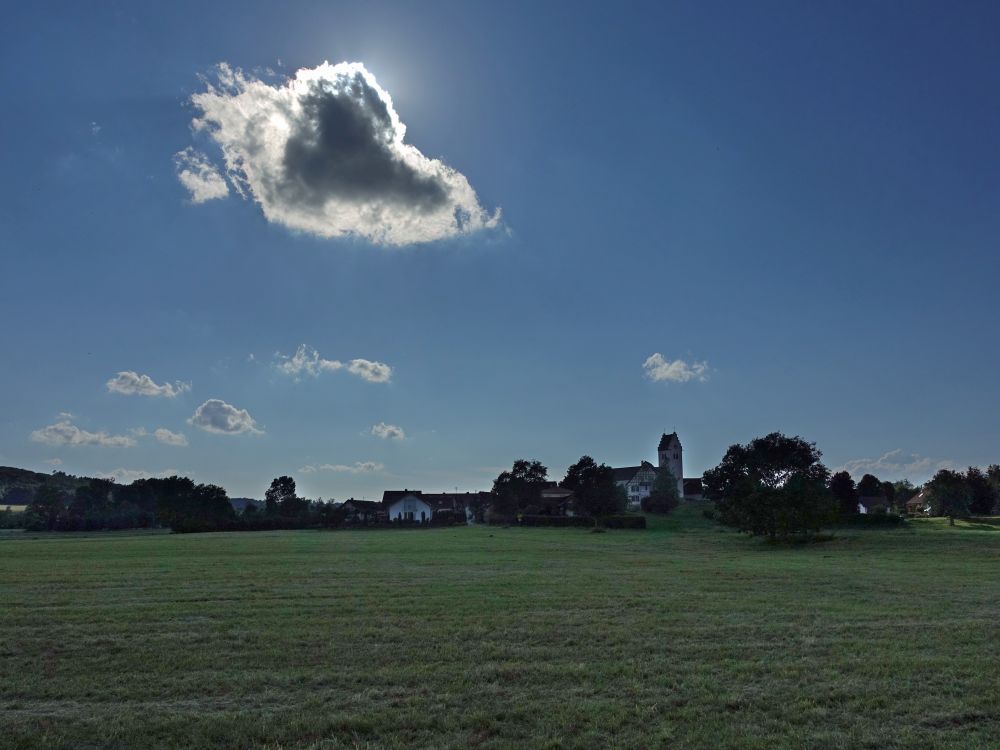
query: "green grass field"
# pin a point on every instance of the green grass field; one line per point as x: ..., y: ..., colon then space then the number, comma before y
x: 685, y: 635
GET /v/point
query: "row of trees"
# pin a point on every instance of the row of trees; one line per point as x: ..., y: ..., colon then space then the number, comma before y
x: 958, y: 494
x: 174, y: 502
x: 777, y: 486
x: 145, y: 503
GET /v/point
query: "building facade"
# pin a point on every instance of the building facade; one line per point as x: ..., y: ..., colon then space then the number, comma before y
x: 637, y: 481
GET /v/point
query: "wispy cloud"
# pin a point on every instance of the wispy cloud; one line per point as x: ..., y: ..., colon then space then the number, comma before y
x: 131, y: 383
x: 358, y: 467
x: 324, y: 152
x: 65, y: 432
x: 307, y: 361
x: 388, y: 431
x: 199, y: 176
x: 221, y: 418
x: 167, y: 437
x: 659, y: 369
x: 896, y: 464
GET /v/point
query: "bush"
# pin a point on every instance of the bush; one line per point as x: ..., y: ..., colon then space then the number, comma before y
x: 659, y: 503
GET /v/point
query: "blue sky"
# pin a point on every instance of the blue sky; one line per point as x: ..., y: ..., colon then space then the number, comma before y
x: 803, y: 197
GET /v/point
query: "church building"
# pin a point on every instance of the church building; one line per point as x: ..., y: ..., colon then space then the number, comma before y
x: 638, y: 480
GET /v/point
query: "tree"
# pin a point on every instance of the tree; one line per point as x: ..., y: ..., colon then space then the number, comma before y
x: 280, y: 494
x: 889, y: 492
x: 521, y: 486
x: 594, y: 487
x: 663, y: 497
x: 845, y: 493
x: 949, y: 495
x: 903, y: 491
x: 45, y: 508
x: 982, y: 496
x: 869, y: 486
x: 774, y: 485
x: 993, y: 477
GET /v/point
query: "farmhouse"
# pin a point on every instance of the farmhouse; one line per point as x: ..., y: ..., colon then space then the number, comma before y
x: 918, y: 505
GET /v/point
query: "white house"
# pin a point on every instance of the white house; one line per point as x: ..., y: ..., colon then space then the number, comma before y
x: 407, y: 505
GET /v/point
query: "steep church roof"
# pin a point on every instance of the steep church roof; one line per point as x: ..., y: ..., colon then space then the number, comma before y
x: 668, y: 441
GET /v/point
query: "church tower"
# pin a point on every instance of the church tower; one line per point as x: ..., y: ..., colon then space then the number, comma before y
x: 671, y: 456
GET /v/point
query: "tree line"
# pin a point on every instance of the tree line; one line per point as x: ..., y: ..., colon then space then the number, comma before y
x: 777, y: 486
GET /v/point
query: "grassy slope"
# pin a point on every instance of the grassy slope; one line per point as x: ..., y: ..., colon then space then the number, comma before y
x: 684, y: 635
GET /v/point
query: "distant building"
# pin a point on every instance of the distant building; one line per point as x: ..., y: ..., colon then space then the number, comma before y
x: 361, y: 511
x: 637, y: 481
x: 919, y: 504
x: 421, y: 507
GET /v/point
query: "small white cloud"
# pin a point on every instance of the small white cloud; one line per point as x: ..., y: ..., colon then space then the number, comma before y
x: 307, y: 361
x: 358, y: 467
x: 224, y: 419
x: 95, y: 128
x: 388, y: 431
x: 324, y: 152
x: 65, y: 432
x: 132, y: 383
x: 677, y: 371
x: 896, y: 464
x: 373, y: 372
x: 64, y: 415
x: 167, y: 437
x: 199, y: 176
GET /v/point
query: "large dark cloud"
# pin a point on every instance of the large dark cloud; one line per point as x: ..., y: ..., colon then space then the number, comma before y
x: 323, y: 152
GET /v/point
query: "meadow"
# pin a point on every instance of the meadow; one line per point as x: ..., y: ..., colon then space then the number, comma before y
x: 685, y: 635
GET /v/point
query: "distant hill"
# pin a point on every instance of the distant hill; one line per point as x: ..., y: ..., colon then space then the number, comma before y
x: 18, y: 486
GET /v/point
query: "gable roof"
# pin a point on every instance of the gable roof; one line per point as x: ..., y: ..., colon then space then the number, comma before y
x: 625, y: 473
x: 668, y: 441
x: 391, y: 496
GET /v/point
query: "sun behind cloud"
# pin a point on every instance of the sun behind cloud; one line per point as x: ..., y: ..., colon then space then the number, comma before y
x: 324, y: 153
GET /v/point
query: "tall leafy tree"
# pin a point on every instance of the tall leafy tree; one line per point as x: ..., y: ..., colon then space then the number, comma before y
x: 521, y: 486
x: 903, y: 491
x: 869, y: 486
x: 889, y: 493
x: 280, y: 494
x: 993, y: 477
x: 845, y: 493
x: 982, y: 496
x: 774, y: 486
x: 594, y: 486
x: 949, y: 495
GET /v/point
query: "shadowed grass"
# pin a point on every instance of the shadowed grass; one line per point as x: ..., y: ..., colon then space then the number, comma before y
x: 686, y: 635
